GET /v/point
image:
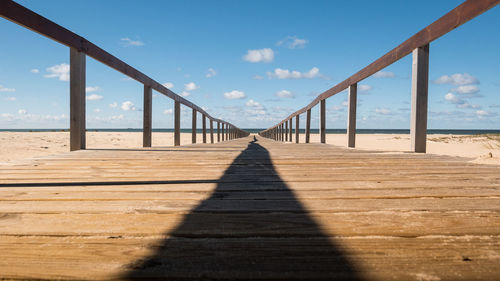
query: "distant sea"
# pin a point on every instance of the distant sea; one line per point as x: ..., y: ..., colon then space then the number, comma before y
x: 313, y: 131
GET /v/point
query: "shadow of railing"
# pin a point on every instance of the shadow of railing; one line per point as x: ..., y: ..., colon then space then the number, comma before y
x: 261, y: 232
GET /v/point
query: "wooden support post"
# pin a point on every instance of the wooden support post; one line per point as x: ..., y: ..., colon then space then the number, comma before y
x: 177, y: 123
x: 193, y: 128
x: 290, y: 132
x: 77, y: 100
x: 419, y: 92
x: 204, y: 127
x: 297, y: 129
x: 211, y: 131
x: 218, y: 131
x: 227, y: 131
x: 223, y: 135
x: 148, y: 116
x: 322, y: 121
x: 282, y: 133
x: 308, y: 125
x: 286, y: 130
x: 351, y: 115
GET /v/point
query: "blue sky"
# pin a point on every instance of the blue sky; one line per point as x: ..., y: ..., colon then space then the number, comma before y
x: 250, y: 62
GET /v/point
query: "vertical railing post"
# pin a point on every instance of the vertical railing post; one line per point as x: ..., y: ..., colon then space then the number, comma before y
x: 308, y: 125
x: 419, y: 93
x: 297, y: 129
x: 351, y: 115
x: 77, y: 100
x: 147, y: 117
x: 322, y: 121
x: 177, y: 123
x: 211, y: 131
x: 286, y: 130
x: 290, y: 132
x: 282, y: 135
x: 193, y: 130
x: 223, y: 135
x: 218, y: 131
x: 204, y: 127
x: 227, y: 131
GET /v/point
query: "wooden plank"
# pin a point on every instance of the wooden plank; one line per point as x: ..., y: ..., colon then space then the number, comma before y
x: 351, y: 115
x: 290, y: 126
x: 77, y: 126
x: 419, y: 93
x: 147, y: 117
x: 218, y: 131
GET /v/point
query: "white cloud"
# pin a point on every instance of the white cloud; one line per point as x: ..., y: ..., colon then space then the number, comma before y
x: 384, y: 74
x: 10, y: 98
x: 97, y: 110
x: 168, y: 85
x: 94, y: 97
x: 7, y: 115
x: 460, y: 103
x: 261, y: 55
x: 466, y: 89
x: 482, y: 113
x: 191, y: 86
x: 235, y: 94
x: 129, y: 42
x: 113, y: 105
x: 211, y: 73
x: 287, y: 74
x: 128, y: 106
x: 457, y: 79
x: 364, y: 88
x: 92, y: 89
x: 292, y: 42
x: 252, y: 103
x: 3, y: 89
x: 168, y: 111
x: 257, y: 77
x: 383, y: 111
x: 22, y: 112
x: 185, y: 94
x: 60, y: 71
x: 285, y: 94
x: 34, y: 70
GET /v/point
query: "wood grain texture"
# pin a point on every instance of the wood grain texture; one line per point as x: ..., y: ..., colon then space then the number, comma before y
x: 246, y: 209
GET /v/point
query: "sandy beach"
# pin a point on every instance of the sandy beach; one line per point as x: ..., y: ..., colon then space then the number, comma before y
x: 19, y: 146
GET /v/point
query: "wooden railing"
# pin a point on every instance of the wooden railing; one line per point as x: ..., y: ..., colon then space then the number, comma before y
x: 419, y: 45
x: 79, y: 49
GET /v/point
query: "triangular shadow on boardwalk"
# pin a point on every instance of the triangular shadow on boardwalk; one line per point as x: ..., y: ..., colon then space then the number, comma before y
x: 236, y: 234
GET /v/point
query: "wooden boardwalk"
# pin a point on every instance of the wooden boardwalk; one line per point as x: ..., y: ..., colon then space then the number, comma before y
x: 249, y: 209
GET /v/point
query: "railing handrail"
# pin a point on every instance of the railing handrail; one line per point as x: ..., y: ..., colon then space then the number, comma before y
x: 23, y: 16
x: 453, y: 19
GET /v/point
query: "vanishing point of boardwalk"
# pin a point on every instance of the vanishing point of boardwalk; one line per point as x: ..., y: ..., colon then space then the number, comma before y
x: 249, y: 209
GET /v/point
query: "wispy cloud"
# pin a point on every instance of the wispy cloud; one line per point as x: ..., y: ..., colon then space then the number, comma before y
x: 60, y: 71
x: 260, y: 55
x: 92, y: 89
x: 128, y: 106
x: 191, y: 86
x: 292, y: 42
x: 10, y: 99
x: 168, y: 85
x: 94, y: 97
x: 287, y: 74
x: 457, y: 79
x: 235, y: 94
x: 3, y: 89
x: 127, y: 42
x: 210, y: 73
x: 285, y: 94
x: 113, y: 105
x: 384, y: 74
x: 35, y: 70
